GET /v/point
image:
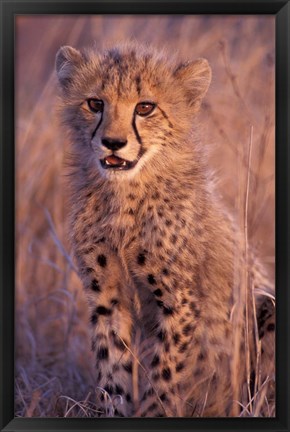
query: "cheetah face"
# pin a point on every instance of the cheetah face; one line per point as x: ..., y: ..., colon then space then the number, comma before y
x: 129, y: 106
x: 114, y: 162
x: 118, y: 145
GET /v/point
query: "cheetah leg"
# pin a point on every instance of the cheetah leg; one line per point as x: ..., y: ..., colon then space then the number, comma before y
x: 111, y: 331
x: 168, y: 364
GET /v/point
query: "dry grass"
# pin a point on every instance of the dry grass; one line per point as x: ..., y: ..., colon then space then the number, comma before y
x: 54, y: 375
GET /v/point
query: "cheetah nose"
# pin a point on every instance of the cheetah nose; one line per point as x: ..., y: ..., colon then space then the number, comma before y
x: 113, y: 143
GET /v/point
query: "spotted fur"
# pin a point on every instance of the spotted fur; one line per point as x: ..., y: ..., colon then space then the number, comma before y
x: 157, y: 252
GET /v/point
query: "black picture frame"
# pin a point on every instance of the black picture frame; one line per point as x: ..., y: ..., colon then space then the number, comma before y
x: 8, y: 10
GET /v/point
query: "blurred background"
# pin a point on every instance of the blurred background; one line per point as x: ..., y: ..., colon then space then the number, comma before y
x: 54, y: 374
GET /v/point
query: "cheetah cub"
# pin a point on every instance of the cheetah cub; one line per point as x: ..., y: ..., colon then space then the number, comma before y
x: 156, y: 252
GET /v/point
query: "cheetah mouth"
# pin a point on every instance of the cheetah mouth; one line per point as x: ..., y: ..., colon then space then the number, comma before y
x: 116, y: 163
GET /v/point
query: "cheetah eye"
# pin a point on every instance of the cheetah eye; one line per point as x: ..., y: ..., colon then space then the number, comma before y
x: 144, y: 108
x: 96, y: 105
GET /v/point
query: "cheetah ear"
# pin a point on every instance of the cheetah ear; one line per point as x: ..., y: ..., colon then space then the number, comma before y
x: 196, y: 78
x: 67, y: 59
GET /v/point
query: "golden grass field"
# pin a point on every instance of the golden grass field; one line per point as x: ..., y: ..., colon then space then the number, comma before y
x: 54, y: 364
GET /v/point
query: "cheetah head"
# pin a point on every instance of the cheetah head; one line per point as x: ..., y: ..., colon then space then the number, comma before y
x: 129, y: 105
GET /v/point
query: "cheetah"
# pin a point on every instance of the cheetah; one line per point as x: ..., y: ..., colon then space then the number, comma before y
x: 155, y: 249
